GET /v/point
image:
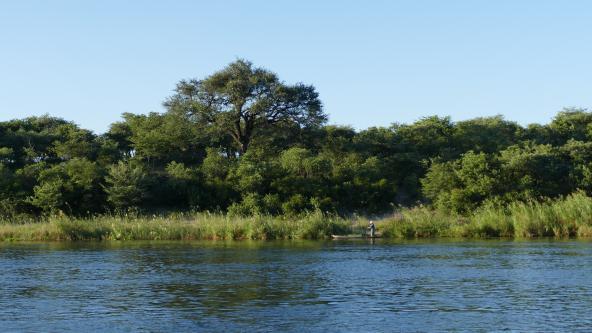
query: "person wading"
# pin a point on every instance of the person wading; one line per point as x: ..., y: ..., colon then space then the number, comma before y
x: 372, y: 229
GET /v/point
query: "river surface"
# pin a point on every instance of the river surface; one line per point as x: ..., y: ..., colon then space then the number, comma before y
x: 296, y: 286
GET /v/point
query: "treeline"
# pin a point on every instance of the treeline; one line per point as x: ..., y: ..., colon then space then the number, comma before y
x: 244, y: 142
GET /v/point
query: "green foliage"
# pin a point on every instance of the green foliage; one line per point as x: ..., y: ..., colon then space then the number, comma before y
x: 241, y: 101
x: 295, y: 205
x: 70, y: 187
x: 159, y: 138
x: 564, y: 217
x: 184, y: 186
x: 488, y: 135
x: 244, y: 142
x: 6, y: 155
x: 253, y: 204
x: 294, y: 161
x: 48, y: 195
x: 254, y: 173
x: 74, y: 143
x: 249, y: 206
x: 571, y: 123
x: 536, y: 171
x: 461, y: 185
x: 431, y: 136
x: 125, y: 185
x: 177, y: 227
x: 44, y: 138
x: 216, y: 165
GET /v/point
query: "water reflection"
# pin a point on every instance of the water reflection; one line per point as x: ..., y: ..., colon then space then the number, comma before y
x: 296, y: 286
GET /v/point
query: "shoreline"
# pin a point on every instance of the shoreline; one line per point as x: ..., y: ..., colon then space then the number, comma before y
x: 569, y: 217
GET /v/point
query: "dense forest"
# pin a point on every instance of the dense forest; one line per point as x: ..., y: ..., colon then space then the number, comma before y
x: 244, y: 142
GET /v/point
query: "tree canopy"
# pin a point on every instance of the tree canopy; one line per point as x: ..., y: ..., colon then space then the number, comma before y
x: 242, y: 141
x: 242, y: 101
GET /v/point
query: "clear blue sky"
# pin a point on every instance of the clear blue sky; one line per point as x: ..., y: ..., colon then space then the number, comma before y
x: 373, y: 62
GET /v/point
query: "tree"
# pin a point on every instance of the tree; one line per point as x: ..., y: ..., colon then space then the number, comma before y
x: 158, y: 138
x: 241, y: 100
x: 461, y: 185
x: 71, y: 186
x: 536, y: 170
x: 74, y: 142
x: 571, y: 123
x: 126, y: 185
x: 580, y: 154
x: 45, y: 138
x: 488, y: 134
x: 427, y: 137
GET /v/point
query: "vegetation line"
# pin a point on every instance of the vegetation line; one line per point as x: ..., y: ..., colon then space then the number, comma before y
x: 566, y: 217
x: 259, y: 153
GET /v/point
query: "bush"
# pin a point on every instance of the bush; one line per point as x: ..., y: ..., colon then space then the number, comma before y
x: 249, y: 206
x: 297, y: 204
x: 126, y: 185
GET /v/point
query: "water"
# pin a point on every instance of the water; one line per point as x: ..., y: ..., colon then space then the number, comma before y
x: 296, y: 286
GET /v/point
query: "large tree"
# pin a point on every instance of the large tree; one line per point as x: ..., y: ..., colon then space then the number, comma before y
x: 242, y: 100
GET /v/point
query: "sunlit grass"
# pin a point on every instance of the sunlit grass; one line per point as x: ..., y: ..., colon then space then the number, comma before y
x: 566, y: 217
x: 177, y: 227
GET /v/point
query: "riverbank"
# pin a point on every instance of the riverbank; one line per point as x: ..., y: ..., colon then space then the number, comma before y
x: 567, y: 217
x: 176, y: 227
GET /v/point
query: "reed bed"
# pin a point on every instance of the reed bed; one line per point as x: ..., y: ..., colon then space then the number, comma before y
x: 175, y: 227
x: 565, y: 217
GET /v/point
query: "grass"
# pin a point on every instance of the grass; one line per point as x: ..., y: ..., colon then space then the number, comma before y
x: 175, y: 227
x: 566, y: 217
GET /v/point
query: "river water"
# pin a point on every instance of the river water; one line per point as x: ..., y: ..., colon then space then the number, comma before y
x: 298, y: 286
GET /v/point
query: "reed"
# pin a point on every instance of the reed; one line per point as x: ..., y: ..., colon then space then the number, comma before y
x: 176, y: 227
x: 565, y: 217
x: 418, y: 222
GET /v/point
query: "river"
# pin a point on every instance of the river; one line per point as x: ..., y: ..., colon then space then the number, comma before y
x: 298, y: 286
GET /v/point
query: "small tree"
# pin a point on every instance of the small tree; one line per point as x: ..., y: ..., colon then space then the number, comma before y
x: 71, y: 187
x: 126, y: 185
x: 48, y: 196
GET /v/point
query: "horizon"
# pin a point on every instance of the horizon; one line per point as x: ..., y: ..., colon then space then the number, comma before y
x: 373, y: 64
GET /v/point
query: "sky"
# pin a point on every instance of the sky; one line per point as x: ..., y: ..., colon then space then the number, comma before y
x: 373, y: 63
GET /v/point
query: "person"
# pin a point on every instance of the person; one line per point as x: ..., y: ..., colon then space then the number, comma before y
x: 372, y: 228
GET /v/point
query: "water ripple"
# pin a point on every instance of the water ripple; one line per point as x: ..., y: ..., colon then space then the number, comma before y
x: 296, y: 286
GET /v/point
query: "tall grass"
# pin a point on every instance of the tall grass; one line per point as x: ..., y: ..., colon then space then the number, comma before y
x: 176, y: 227
x: 418, y: 222
x: 566, y: 217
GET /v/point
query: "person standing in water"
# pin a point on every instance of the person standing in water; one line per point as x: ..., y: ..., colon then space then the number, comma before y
x: 372, y: 229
